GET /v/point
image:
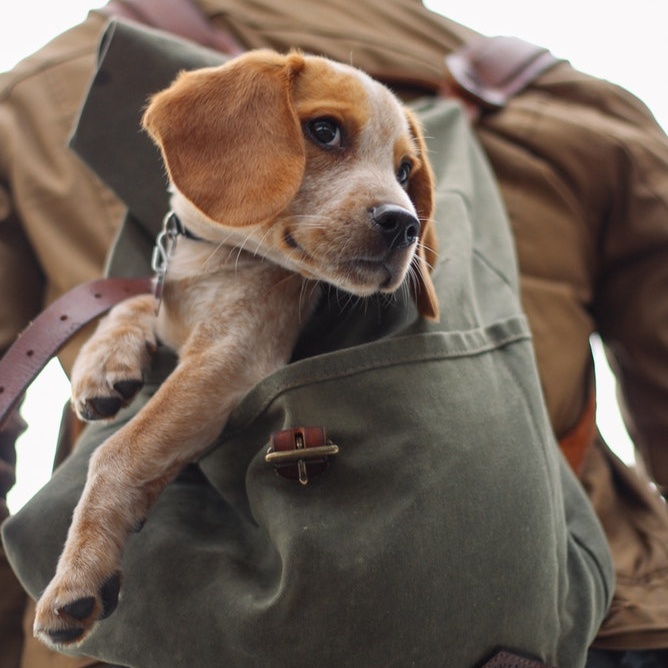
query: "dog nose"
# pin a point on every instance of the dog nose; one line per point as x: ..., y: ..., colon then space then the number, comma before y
x: 399, y: 227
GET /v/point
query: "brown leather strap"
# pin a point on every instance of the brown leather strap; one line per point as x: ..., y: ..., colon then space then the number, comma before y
x: 490, y: 70
x: 484, y: 73
x: 182, y: 18
x: 506, y: 659
x: 44, y: 337
x: 300, y: 453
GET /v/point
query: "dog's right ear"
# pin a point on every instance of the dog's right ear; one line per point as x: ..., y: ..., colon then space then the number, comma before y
x: 230, y: 138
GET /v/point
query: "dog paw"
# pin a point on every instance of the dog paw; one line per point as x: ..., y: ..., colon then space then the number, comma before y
x: 108, y: 374
x: 65, y: 616
x: 103, y: 407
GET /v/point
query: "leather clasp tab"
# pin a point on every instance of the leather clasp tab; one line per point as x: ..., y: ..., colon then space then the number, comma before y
x: 301, y: 453
x: 506, y: 659
x: 491, y: 70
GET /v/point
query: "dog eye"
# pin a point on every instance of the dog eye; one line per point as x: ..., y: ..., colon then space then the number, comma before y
x: 325, y: 132
x: 404, y: 172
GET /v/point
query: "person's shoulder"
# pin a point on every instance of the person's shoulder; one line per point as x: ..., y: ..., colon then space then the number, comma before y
x: 80, y: 41
x: 599, y: 98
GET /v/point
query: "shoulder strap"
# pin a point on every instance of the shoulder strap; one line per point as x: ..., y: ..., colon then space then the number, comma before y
x: 490, y: 70
x: 44, y: 337
x: 176, y: 17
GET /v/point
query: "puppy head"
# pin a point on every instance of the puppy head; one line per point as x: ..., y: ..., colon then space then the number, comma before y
x: 310, y: 162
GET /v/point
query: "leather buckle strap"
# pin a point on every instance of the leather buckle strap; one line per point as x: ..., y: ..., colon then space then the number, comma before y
x: 506, y: 659
x: 490, y: 70
x: 53, y: 327
x: 178, y: 17
x: 301, y: 453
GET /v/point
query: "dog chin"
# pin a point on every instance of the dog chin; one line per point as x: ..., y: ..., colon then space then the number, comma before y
x: 360, y: 276
x: 366, y: 277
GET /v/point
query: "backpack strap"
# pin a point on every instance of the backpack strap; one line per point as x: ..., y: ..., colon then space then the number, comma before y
x: 508, y: 659
x: 182, y: 18
x: 45, y: 335
x: 488, y: 71
x: 485, y: 72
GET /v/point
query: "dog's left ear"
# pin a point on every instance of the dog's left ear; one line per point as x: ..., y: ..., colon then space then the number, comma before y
x: 230, y: 137
x: 421, y: 192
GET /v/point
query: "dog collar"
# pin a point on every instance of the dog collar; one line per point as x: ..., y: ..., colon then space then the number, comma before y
x: 165, y: 243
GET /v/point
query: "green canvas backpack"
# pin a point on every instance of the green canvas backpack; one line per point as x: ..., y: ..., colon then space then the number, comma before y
x: 448, y: 526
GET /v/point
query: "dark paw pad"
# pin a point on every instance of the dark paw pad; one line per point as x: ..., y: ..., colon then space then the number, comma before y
x: 128, y: 388
x: 102, y: 407
x: 65, y: 636
x: 80, y: 609
x: 109, y: 594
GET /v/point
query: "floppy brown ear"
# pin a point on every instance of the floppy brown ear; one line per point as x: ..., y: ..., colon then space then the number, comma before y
x: 230, y: 138
x: 421, y: 192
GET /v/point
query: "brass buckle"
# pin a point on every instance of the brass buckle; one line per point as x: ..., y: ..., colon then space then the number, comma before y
x: 308, y: 455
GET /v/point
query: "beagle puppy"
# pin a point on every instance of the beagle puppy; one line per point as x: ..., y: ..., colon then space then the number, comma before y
x: 288, y: 172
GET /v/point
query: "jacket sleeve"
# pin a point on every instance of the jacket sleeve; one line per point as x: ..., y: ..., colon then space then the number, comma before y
x: 56, y: 220
x: 631, y: 308
x: 616, y: 158
x: 583, y: 167
x: 21, y: 296
x: 21, y: 280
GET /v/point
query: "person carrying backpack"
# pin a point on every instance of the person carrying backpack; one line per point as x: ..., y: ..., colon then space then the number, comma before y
x: 589, y: 251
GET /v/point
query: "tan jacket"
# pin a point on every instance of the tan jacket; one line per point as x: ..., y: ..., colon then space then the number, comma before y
x: 583, y: 170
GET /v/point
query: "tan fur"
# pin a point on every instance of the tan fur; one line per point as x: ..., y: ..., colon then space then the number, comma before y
x: 277, y: 214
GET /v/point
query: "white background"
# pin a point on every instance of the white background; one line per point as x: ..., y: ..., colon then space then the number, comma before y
x: 623, y: 42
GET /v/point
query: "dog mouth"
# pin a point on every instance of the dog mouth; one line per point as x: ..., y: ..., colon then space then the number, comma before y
x: 379, y: 275
x: 362, y: 274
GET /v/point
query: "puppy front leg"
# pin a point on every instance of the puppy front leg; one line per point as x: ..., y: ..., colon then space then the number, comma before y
x: 126, y: 474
